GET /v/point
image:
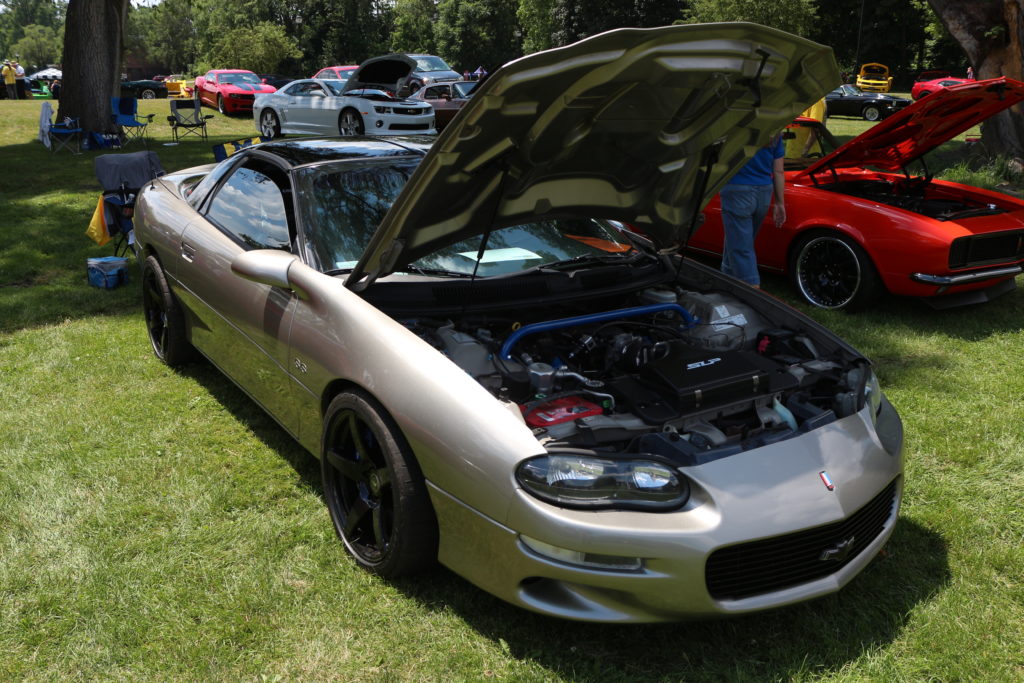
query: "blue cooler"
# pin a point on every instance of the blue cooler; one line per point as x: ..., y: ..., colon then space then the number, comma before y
x: 107, y: 272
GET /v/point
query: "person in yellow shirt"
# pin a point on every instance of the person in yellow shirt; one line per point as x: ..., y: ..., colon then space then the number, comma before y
x: 804, y: 141
x: 10, y: 81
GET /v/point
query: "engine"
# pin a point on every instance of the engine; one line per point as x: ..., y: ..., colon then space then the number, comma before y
x: 690, y: 376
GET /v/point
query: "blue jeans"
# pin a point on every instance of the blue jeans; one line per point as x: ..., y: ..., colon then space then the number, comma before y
x: 744, y: 208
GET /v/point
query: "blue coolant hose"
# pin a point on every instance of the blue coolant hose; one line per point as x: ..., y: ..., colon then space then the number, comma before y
x: 513, y: 339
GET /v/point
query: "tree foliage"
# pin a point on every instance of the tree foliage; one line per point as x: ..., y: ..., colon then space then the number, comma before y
x: 472, y: 33
x: 795, y: 16
x: 39, y: 46
x: 261, y: 48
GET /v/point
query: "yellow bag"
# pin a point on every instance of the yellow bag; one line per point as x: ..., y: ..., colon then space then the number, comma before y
x: 97, y: 230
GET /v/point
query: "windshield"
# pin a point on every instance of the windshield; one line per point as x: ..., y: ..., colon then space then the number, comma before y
x: 465, y: 88
x: 431, y: 63
x: 236, y: 79
x: 346, y: 204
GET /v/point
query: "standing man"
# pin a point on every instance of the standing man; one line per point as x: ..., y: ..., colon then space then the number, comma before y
x: 745, y: 202
x: 19, y: 78
x: 9, y: 81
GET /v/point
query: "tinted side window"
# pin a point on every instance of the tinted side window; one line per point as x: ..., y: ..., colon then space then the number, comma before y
x: 251, y: 207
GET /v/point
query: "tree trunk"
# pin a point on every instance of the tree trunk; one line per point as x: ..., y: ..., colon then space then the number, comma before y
x: 92, y: 62
x: 991, y: 33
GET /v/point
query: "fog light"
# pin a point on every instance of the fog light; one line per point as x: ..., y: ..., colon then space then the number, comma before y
x: 588, y: 560
x: 380, y: 124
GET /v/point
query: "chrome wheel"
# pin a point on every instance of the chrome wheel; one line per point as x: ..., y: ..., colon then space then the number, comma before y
x: 872, y: 113
x: 220, y: 104
x: 148, y: 94
x: 270, y: 127
x: 350, y: 123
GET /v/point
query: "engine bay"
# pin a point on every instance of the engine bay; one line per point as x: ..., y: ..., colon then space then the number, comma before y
x: 917, y: 195
x: 691, y: 376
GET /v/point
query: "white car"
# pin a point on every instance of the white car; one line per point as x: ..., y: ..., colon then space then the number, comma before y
x: 322, y: 107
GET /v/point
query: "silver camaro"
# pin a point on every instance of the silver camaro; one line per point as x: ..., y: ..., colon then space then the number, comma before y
x: 491, y: 343
x: 370, y: 101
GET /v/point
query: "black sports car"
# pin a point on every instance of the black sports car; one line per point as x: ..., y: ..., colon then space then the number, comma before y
x: 849, y: 100
x: 146, y: 89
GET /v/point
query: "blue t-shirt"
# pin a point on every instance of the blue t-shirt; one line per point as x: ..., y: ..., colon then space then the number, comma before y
x: 758, y: 171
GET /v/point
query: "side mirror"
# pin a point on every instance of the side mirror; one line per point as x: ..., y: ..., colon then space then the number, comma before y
x: 266, y: 266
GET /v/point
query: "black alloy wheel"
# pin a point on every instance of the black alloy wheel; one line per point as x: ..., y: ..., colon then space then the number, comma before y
x: 374, y: 489
x: 165, y: 321
x: 832, y: 271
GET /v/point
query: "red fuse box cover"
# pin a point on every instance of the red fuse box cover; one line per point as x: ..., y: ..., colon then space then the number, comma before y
x: 561, y: 410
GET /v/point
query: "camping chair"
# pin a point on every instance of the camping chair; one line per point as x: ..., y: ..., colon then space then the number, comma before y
x: 63, y: 134
x: 122, y: 176
x: 126, y: 116
x: 187, y: 118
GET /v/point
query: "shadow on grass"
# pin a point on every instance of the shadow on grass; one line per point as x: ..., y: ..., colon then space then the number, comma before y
x: 820, y: 637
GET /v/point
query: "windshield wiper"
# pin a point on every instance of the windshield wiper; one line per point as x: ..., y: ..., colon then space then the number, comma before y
x: 436, y: 271
x: 588, y: 260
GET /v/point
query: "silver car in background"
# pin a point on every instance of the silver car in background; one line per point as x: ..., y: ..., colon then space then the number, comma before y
x: 313, y: 106
x: 499, y: 376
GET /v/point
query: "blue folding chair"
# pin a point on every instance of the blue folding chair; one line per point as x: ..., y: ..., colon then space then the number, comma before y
x: 126, y: 116
x: 64, y: 133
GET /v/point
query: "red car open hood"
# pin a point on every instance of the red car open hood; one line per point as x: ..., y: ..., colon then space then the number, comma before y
x: 924, y: 125
x: 638, y: 125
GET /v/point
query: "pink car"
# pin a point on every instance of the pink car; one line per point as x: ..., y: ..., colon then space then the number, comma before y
x: 231, y: 90
x: 335, y: 73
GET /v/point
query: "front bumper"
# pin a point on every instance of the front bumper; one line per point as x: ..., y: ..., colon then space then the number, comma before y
x: 759, y: 496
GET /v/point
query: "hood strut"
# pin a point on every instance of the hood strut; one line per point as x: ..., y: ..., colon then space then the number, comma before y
x: 755, y: 82
x: 708, y: 160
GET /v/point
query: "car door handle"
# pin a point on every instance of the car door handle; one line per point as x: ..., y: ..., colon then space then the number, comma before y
x: 188, y: 252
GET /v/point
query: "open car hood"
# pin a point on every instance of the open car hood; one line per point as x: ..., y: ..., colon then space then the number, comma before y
x: 914, y: 131
x: 621, y: 126
x: 389, y: 71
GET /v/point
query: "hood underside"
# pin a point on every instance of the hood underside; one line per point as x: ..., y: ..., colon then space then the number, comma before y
x: 924, y: 125
x: 388, y: 72
x: 637, y: 125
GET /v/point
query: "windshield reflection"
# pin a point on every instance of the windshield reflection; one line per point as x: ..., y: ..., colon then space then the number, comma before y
x: 345, y: 205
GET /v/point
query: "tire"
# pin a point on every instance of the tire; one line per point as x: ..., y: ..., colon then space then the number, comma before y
x: 871, y: 113
x: 165, y: 321
x: 832, y: 271
x: 350, y: 122
x: 924, y: 93
x: 220, y: 104
x: 374, y: 489
x: 270, y: 125
x: 148, y: 94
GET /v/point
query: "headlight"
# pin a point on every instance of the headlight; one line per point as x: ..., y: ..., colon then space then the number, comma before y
x: 593, y: 482
x: 873, y: 394
x: 382, y: 110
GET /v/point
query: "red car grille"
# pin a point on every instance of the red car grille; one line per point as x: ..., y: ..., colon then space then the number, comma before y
x: 984, y: 250
x: 771, y: 564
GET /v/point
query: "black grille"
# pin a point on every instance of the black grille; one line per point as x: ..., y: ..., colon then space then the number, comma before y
x: 411, y: 112
x: 408, y: 126
x: 771, y: 564
x: 983, y: 250
x: 243, y: 96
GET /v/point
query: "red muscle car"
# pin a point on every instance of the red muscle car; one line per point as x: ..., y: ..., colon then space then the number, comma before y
x: 860, y: 223
x: 231, y: 90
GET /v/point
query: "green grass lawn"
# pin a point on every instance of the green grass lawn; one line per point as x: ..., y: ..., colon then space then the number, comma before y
x: 157, y: 525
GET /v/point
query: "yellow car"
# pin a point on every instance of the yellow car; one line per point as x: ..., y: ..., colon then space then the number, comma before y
x: 874, y: 77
